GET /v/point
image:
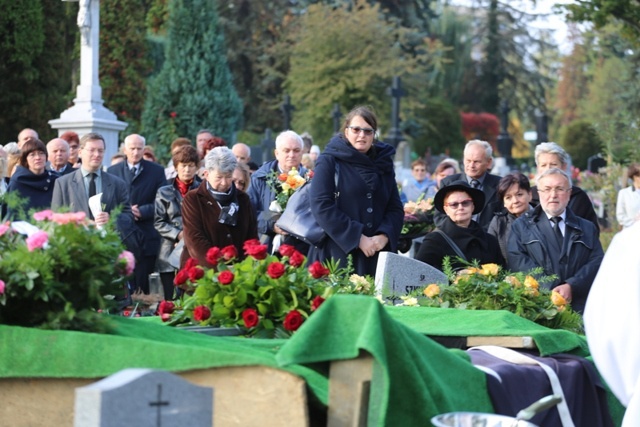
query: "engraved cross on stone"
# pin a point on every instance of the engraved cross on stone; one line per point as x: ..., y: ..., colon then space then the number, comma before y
x: 396, y: 92
x: 159, y: 403
x: 336, y: 115
x: 287, y: 108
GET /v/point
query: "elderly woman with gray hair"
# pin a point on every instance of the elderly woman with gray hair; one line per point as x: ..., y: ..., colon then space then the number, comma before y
x: 550, y: 155
x: 216, y: 213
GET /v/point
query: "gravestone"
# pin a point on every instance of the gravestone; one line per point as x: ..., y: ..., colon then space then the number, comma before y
x: 141, y: 398
x: 397, y: 275
x: 595, y: 163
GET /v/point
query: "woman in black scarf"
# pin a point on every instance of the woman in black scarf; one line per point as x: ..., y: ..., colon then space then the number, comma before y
x: 355, y: 196
x: 459, y: 235
x: 216, y: 213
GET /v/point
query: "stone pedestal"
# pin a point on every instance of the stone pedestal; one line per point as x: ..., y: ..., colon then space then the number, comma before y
x: 88, y: 113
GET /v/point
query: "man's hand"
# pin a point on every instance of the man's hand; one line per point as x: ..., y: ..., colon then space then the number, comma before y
x: 564, y: 290
x: 136, y: 212
x: 102, y: 218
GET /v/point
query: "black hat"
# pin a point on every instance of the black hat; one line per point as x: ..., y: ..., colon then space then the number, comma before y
x: 476, y: 195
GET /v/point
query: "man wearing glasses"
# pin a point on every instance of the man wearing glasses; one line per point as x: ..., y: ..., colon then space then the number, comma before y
x: 554, y: 238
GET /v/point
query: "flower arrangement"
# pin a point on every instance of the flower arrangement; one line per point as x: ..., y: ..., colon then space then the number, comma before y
x: 55, y: 273
x: 262, y: 294
x: 418, y: 218
x: 489, y: 287
x: 284, y: 185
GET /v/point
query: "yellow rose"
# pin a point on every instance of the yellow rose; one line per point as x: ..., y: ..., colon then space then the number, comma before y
x: 432, y: 290
x: 513, y: 281
x: 533, y: 292
x: 409, y: 301
x: 557, y: 299
x: 530, y: 282
x: 489, y: 269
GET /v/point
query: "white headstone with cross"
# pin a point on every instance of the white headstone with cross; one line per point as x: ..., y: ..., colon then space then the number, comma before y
x: 88, y: 114
x: 141, y: 398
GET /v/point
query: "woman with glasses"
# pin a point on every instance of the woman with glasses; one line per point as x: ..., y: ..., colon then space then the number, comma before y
x: 355, y: 197
x: 459, y: 235
x: 31, y: 179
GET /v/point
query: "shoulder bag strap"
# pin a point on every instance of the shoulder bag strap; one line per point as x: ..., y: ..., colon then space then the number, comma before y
x: 451, y: 243
x: 337, y: 175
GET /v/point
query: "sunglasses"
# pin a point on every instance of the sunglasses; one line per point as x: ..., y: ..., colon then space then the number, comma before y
x: 464, y: 204
x: 358, y: 129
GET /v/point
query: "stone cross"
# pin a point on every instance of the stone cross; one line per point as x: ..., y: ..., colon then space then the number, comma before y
x: 143, y: 397
x: 287, y: 108
x: 542, y: 126
x: 396, y: 92
x: 268, y: 145
x: 336, y: 115
x: 505, y: 143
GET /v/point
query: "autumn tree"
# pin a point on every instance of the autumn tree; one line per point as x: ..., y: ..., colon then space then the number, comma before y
x: 194, y: 89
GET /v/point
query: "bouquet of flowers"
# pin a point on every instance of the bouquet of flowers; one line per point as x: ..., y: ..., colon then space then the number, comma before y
x: 262, y: 294
x: 284, y: 185
x: 489, y: 287
x: 59, y: 271
x: 418, y: 218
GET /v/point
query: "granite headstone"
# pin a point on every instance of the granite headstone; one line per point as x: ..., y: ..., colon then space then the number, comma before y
x: 143, y: 398
x: 397, y: 275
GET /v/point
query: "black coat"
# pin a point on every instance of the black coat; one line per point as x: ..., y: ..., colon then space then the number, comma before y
x: 492, y: 202
x: 500, y: 227
x: 579, y: 203
x: 368, y: 202
x: 37, y: 189
x: 142, y: 192
x: 531, y: 244
x: 168, y: 221
x: 473, y: 241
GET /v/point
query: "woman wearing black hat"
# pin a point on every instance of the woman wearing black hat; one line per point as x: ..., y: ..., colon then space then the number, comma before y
x: 459, y: 235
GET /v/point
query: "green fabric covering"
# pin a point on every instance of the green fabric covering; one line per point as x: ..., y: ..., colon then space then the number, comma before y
x: 417, y: 379
x: 465, y: 323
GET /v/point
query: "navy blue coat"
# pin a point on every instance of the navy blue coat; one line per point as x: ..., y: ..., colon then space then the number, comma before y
x: 531, y: 244
x: 368, y: 202
x: 142, y: 192
x: 37, y: 189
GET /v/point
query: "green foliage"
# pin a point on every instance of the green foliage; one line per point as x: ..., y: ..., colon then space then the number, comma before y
x: 34, y: 64
x: 435, y: 126
x: 603, y: 12
x: 349, y: 62
x: 61, y: 284
x: 603, y: 188
x: 124, y: 59
x: 194, y: 89
x: 581, y: 141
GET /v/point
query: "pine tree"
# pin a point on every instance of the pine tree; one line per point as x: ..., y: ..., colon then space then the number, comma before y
x: 194, y: 89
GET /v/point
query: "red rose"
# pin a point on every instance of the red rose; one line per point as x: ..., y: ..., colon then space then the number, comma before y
x: 229, y: 252
x: 250, y: 317
x: 212, y: 255
x: 251, y: 242
x: 225, y: 277
x: 283, y: 177
x: 257, y: 251
x: 316, y: 302
x: 318, y: 270
x: 181, y: 277
x: 195, y: 273
x: 286, y: 250
x: 292, y: 321
x: 275, y: 270
x: 173, y: 114
x: 201, y: 313
x: 191, y: 262
x: 297, y: 259
x: 166, y: 307
x: 165, y: 317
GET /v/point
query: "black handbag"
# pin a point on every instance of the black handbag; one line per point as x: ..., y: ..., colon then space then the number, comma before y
x: 297, y: 218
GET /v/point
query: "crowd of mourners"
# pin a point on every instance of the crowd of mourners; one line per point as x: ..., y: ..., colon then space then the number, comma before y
x: 211, y: 195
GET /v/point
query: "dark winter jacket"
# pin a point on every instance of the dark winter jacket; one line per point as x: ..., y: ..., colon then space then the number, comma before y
x: 530, y: 245
x: 365, y: 202
x: 37, y: 189
x: 579, y: 203
x: 500, y: 227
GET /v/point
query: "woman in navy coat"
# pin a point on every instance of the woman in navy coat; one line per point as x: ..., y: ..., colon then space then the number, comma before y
x: 362, y: 215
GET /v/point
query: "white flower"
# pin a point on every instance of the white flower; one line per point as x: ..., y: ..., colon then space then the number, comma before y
x: 275, y: 207
x: 360, y: 283
x: 409, y: 301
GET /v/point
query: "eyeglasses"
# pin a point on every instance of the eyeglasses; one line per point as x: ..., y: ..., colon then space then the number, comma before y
x: 358, y: 129
x: 464, y: 204
x: 556, y: 190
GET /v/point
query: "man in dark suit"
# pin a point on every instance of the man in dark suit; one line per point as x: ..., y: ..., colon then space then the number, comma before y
x: 554, y: 238
x: 58, y: 153
x: 73, y: 190
x: 478, y: 158
x: 143, y: 179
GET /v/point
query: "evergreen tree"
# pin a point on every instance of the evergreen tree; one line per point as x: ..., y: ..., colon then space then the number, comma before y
x: 194, y: 89
x: 124, y: 63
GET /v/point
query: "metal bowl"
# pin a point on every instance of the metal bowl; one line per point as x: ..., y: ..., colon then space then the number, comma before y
x: 477, y: 419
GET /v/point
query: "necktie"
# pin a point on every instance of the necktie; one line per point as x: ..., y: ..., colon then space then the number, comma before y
x: 133, y: 171
x: 556, y: 229
x: 475, y: 183
x: 92, y: 185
